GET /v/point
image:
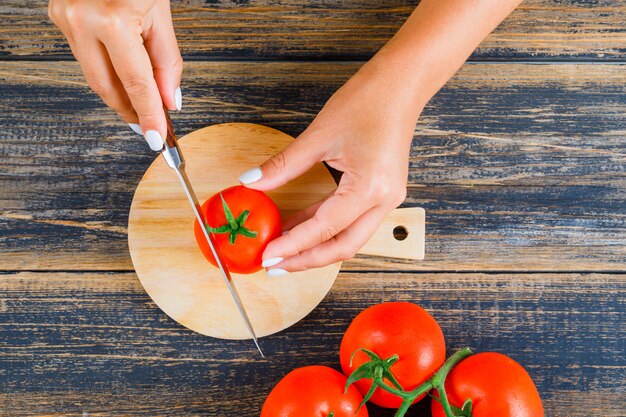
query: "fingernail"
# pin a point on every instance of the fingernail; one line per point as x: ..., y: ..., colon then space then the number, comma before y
x: 154, y: 140
x: 276, y: 272
x: 136, y: 128
x: 251, y: 176
x: 178, y: 99
x: 271, y: 262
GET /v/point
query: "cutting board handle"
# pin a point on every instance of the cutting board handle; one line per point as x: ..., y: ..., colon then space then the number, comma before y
x: 400, y: 235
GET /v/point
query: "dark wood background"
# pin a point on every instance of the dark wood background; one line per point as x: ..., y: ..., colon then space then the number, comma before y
x: 520, y: 163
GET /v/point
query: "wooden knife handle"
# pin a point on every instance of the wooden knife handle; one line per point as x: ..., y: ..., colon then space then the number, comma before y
x: 407, y: 242
x: 170, y: 137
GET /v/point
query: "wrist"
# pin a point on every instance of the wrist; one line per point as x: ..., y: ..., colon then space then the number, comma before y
x: 397, y: 78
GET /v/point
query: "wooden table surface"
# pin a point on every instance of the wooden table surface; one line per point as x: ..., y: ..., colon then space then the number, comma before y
x: 520, y: 163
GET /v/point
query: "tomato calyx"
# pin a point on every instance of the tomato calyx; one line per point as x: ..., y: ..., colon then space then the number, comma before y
x: 331, y: 414
x: 378, y: 369
x: 234, y: 226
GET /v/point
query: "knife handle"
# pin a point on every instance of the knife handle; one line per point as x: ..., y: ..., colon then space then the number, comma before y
x: 170, y: 136
x: 171, y: 152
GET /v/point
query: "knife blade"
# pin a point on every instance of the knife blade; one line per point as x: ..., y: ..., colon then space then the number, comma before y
x: 173, y: 156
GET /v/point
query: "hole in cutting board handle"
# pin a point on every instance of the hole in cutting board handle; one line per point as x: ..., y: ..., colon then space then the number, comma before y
x: 400, y: 233
x: 399, y: 236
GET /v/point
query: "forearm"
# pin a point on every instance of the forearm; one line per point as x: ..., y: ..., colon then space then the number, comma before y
x: 433, y: 43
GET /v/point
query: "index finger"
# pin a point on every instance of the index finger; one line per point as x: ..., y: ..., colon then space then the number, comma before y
x: 134, y: 69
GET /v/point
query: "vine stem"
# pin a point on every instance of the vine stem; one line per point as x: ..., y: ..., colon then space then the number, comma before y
x: 437, y: 382
x: 439, y: 379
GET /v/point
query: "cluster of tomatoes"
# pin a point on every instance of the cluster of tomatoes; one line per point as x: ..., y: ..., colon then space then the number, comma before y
x: 393, y: 355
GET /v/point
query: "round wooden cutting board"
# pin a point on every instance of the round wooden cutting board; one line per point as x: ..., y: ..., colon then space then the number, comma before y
x: 168, y: 261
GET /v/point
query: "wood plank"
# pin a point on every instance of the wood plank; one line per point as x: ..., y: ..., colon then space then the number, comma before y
x: 519, y: 166
x: 94, y: 343
x: 539, y: 29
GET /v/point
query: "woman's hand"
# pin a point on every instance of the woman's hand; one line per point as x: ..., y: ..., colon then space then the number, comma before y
x: 129, y: 55
x: 365, y: 131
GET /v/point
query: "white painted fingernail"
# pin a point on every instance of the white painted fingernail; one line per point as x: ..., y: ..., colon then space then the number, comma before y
x: 178, y: 99
x: 271, y: 262
x: 251, y: 176
x: 154, y: 140
x: 136, y: 128
x: 276, y: 272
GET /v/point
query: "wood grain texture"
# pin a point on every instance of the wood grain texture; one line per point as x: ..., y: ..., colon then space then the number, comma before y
x: 519, y: 166
x: 94, y: 343
x: 407, y: 242
x: 339, y: 29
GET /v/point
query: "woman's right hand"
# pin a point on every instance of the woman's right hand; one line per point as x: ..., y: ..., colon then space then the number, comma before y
x: 129, y: 55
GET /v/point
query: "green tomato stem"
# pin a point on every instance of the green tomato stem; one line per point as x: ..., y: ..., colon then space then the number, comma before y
x: 404, y: 407
x: 437, y: 382
x: 452, y: 407
x: 439, y: 379
x: 234, y: 226
x: 405, y: 395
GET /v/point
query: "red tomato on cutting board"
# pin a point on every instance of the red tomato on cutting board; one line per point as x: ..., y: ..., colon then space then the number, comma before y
x: 241, y: 241
x: 313, y: 391
x: 496, y: 384
x: 395, y: 328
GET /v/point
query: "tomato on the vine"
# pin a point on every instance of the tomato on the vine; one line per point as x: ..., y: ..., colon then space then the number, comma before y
x: 496, y: 384
x: 394, y: 328
x: 313, y: 391
x: 242, y: 221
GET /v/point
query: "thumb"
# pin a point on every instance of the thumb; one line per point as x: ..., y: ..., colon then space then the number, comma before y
x: 293, y: 161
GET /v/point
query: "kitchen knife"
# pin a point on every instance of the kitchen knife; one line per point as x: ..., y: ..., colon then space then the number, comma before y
x: 174, y: 158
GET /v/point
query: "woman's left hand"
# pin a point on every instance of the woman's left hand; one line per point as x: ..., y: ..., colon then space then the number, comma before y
x: 365, y: 131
